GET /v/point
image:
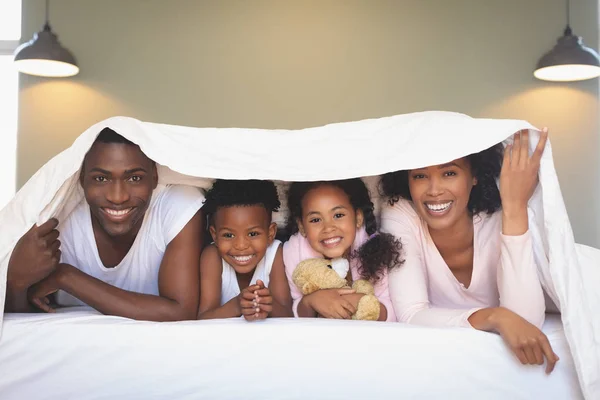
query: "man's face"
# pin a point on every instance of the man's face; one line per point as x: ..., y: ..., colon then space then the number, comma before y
x: 118, y: 180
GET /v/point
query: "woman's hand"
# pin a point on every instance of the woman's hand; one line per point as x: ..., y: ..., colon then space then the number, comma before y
x: 526, y: 341
x: 518, y: 179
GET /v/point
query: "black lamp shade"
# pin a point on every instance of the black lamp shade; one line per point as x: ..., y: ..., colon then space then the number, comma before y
x: 44, y: 56
x: 568, y: 61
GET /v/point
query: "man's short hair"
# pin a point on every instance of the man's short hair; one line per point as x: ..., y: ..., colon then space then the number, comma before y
x: 107, y: 135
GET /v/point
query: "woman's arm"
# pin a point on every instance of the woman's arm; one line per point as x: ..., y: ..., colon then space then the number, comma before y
x: 529, y: 344
x: 518, y: 282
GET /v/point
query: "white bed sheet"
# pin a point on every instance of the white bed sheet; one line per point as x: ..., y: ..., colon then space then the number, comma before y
x: 80, y: 354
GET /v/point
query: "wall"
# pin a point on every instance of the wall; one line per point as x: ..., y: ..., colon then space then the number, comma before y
x: 293, y: 64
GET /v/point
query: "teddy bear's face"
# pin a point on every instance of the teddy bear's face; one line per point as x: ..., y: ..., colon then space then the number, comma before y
x: 316, y: 273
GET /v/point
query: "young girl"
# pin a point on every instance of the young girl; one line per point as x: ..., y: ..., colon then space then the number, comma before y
x: 242, y: 272
x: 468, y: 250
x: 332, y: 220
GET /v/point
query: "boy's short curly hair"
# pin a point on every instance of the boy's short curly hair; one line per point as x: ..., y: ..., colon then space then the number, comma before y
x: 485, y: 196
x: 230, y: 193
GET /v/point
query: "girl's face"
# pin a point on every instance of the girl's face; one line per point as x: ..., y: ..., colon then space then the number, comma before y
x: 441, y: 193
x: 242, y: 235
x: 329, y: 221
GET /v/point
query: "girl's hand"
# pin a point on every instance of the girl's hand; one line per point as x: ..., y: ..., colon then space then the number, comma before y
x: 518, y: 179
x: 331, y: 303
x: 526, y: 341
x: 354, y: 298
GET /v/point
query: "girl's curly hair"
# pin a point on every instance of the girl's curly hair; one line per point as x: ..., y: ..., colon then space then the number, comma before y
x: 381, y: 252
x: 484, y: 197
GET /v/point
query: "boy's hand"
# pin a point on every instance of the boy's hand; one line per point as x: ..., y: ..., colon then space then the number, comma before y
x: 246, y: 302
x: 263, y: 300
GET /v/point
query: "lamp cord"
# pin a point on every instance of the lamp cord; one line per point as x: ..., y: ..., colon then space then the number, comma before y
x: 568, y: 31
x: 47, y: 23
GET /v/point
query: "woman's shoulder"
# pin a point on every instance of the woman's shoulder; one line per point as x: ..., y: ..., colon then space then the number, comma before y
x: 488, y: 222
x: 401, y: 212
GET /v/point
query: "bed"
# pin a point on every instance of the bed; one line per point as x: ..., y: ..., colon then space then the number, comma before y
x: 79, y: 354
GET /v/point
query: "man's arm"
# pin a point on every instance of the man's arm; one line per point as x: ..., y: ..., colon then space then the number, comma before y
x: 178, y: 283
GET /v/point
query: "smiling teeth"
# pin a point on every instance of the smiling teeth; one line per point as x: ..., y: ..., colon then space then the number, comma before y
x: 117, y: 213
x: 242, y: 258
x: 332, y: 240
x: 438, y: 207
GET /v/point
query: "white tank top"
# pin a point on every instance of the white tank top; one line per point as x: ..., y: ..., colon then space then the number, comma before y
x: 170, y: 209
x: 229, y: 283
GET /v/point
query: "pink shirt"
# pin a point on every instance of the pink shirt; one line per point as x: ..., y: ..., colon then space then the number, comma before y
x: 298, y: 249
x: 424, y: 291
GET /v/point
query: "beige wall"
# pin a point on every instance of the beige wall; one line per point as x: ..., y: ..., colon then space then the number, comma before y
x: 293, y: 64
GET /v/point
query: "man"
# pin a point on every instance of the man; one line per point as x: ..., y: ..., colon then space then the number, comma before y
x: 131, y: 248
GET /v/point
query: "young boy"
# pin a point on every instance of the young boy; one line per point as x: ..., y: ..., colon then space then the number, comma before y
x: 242, y: 272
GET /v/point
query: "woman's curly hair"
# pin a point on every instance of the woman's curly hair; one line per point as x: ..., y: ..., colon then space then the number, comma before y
x: 381, y: 252
x: 484, y: 197
x: 230, y: 193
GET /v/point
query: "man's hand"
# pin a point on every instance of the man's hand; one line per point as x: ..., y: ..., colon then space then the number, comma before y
x: 35, y: 256
x: 39, y: 292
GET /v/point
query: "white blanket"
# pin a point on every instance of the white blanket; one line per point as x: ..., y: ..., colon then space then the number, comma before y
x: 82, y: 355
x: 568, y: 272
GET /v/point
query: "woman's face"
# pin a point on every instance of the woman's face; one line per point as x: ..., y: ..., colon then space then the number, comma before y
x: 441, y: 193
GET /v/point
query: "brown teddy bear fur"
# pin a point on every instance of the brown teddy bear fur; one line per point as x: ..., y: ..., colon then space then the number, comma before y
x: 315, y: 273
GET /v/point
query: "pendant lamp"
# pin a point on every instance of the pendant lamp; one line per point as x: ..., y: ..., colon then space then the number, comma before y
x: 44, y: 56
x: 569, y: 60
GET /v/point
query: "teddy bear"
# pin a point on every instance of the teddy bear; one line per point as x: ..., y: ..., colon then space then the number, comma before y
x: 318, y: 273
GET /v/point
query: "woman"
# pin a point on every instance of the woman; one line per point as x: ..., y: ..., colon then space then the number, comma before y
x: 467, y: 247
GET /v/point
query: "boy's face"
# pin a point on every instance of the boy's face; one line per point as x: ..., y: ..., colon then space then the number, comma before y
x: 242, y: 235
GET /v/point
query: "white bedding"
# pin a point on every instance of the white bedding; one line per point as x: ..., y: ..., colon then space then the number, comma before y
x: 568, y: 272
x: 83, y: 355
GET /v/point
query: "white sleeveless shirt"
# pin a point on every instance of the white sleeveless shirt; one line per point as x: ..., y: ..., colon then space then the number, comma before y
x: 170, y: 209
x: 229, y: 283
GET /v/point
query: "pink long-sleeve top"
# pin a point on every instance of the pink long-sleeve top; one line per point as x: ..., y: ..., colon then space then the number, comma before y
x: 425, y: 292
x: 298, y: 249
